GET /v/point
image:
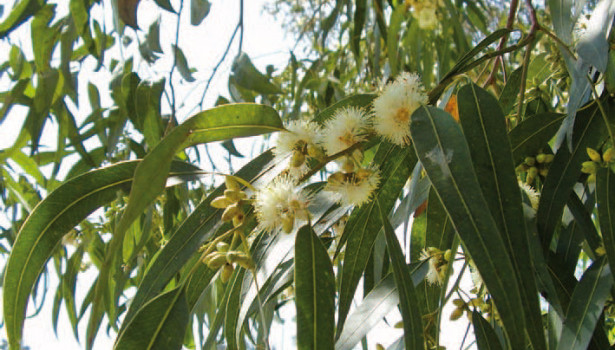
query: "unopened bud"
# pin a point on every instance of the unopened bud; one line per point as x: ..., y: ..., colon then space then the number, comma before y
x: 230, y: 212
x: 232, y: 195
x: 608, y: 155
x: 348, y: 166
x: 245, y: 262
x: 297, y: 159
x: 447, y: 255
x: 315, y: 152
x: 456, y: 314
x: 591, y: 178
x: 541, y: 158
x: 594, y: 155
x: 238, y: 219
x: 530, y: 161
x: 543, y: 172
x: 222, y: 247
x: 589, y: 167
x: 531, y: 174
x: 521, y: 168
x: 288, y: 223
x: 220, y: 202
x: 336, y: 178
x: 226, y: 272
x: 214, y: 260
x: 549, y: 158
x: 231, y: 184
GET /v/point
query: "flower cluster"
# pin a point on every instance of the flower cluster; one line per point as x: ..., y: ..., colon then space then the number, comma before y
x: 425, y: 12
x: 438, y: 261
x: 281, y: 203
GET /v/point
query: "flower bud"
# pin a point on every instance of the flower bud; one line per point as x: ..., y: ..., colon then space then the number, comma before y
x: 530, y: 161
x: 222, y: 247
x: 348, y: 166
x: 214, y: 260
x: 315, y: 152
x: 459, y: 303
x: 230, y: 212
x: 531, y: 175
x: 521, y: 168
x: 541, y: 158
x: 591, y: 178
x: 245, y: 262
x: 594, y: 155
x: 608, y: 155
x: 220, y: 202
x: 456, y: 314
x: 447, y: 255
x: 238, y: 219
x: 549, y: 158
x: 231, y: 184
x: 336, y: 177
x: 589, y: 167
x: 232, y: 195
x: 544, y: 172
x: 226, y: 272
x: 288, y: 223
x: 297, y: 159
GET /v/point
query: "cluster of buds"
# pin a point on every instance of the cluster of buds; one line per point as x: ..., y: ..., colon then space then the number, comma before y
x: 535, y: 166
x: 607, y: 159
x: 438, y: 261
x: 225, y: 259
x: 231, y: 202
x: 462, y: 307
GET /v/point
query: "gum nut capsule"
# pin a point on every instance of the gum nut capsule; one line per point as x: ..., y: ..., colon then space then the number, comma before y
x: 593, y: 155
x: 227, y: 271
x: 220, y: 202
x: 231, y: 184
x: 230, y: 212
x: 458, y: 302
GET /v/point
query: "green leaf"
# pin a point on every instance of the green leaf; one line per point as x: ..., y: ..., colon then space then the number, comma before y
x: 410, y: 310
x: 160, y: 324
x: 216, y: 124
x: 127, y: 10
x: 605, y: 197
x: 199, y: 9
x: 486, y: 339
x: 182, y: 64
x: 397, y: 17
x: 509, y: 94
x: 533, y: 134
x: 376, y: 305
x: 165, y: 4
x: 314, y: 292
x: 20, y: 13
x: 358, y: 24
x: 586, y: 306
x: 186, y: 240
x: 593, y: 46
x: 231, y: 313
x: 62, y: 210
x: 245, y: 75
x: 441, y: 147
x: 565, y: 169
x: 45, y: 36
x: 484, y: 127
x: 365, y: 222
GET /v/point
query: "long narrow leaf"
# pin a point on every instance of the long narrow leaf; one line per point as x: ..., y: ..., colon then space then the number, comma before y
x: 605, y: 196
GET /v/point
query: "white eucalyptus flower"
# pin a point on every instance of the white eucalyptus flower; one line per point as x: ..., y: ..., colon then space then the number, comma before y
x: 298, y: 142
x: 347, y: 127
x: 280, y: 204
x: 395, y: 105
x: 354, y: 188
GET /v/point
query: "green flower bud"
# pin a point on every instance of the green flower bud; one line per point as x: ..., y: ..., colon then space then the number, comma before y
x: 589, y: 167
x: 608, y: 155
x: 549, y: 158
x: 297, y: 159
x: 541, y: 158
x: 530, y: 161
x: 226, y: 272
x: 231, y: 184
x: 220, y: 202
x: 232, y: 195
x: 594, y: 155
x: 288, y: 223
x: 215, y: 260
x: 230, y: 212
x: 456, y: 314
x: 222, y: 247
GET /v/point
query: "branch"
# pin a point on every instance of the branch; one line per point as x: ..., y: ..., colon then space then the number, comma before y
x: 509, y: 24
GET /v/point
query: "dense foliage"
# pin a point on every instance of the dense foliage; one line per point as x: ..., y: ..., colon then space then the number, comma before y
x: 413, y: 144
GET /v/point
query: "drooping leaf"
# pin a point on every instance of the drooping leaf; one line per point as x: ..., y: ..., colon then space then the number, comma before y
x: 486, y: 339
x: 62, y: 210
x: 593, y: 46
x: 127, y: 10
x: 246, y: 75
x: 199, y: 9
x: 533, y: 134
x: 410, y: 310
x: 586, y: 306
x: 484, y: 127
x: 441, y: 147
x: 160, y: 324
x: 605, y: 197
x: 565, y: 169
x: 21, y: 12
x: 165, y: 4
x: 314, y: 292
x: 182, y: 64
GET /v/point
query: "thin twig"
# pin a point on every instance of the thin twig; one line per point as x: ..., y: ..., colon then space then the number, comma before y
x: 526, y: 63
x: 512, y: 14
x: 171, y: 86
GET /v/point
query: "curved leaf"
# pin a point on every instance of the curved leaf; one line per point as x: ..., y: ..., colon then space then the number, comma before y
x: 160, y: 324
x: 605, y: 196
x: 410, y: 310
x: 486, y: 339
x: 565, y: 169
x: 586, y: 306
x: 441, y: 147
x: 53, y: 217
x: 484, y: 127
x: 20, y: 13
x: 533, y: 134
x: 314, y: 292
